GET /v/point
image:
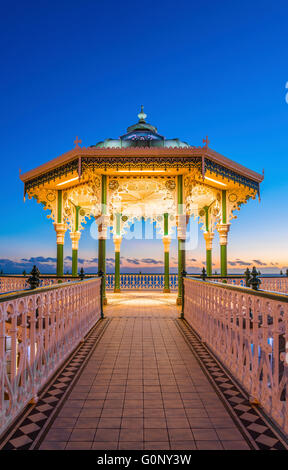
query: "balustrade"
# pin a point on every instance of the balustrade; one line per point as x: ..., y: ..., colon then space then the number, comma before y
x: 38, y: 330
x: 142, y: 281
x: 247, y: 330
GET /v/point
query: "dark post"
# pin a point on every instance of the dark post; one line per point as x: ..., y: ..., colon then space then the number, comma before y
x: 101, y: 275
x: 34, y: 279
x: 254, y: 281
x: 204, y: 274
x: 247, y: 275
x: 82, y: 274
x: 183, y: 275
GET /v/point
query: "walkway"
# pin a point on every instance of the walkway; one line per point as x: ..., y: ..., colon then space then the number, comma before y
x: 139, y: 385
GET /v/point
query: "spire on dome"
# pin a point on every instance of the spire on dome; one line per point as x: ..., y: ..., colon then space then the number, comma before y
x: 142, y: 116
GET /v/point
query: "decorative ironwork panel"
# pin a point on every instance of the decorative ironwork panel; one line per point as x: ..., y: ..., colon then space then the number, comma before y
x: 63, y: 170
x: 142, y: 162
x: 231, y: 175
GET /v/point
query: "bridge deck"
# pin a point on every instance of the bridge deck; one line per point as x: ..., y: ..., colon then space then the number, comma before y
x: 137, y: 385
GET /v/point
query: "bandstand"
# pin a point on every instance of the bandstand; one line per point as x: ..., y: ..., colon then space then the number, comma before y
x: 140, y: 176
x: 224, y: 356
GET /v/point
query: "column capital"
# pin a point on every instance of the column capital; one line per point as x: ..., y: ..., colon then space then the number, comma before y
x: 60, y: 230
x: 223, y: 230
x: 208, y: 236
x: 166, y: 242
x: 117, y: 242
x: 75, y: 237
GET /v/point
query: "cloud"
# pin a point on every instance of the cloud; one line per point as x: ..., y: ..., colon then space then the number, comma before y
x: 150, y: 261
x: 239, y: 262
x: 40, y: 259
x: 260, y: 263
x: 133, y: 261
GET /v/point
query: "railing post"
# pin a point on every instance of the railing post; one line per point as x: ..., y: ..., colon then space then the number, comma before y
x: 247, y: 274
x: 183, y: 275
x: 33, y: 315
x: 204, y: 274
x: 81, y: 274
x: 34, y: 279
x: 254, y: 281
x: 102, y: 280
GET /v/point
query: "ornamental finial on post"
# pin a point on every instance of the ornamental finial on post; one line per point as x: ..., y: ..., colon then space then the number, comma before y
x: 34, y: 279
x: 82, y: 274
x: 206, y: 142
x: 77, y: 142
x: 254, y: 281
x: 142, y: 116
x: 247, y: 275
x: 204, y: 274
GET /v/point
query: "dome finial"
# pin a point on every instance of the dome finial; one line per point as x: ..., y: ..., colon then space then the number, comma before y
x: 142, y: 116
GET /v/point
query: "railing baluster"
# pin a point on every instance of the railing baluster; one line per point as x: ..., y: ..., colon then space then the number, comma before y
x: 38, y: 330
x: 246, y: 329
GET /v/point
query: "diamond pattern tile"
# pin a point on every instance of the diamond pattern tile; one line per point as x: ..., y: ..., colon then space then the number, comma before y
x: 24, y: 435
x: 259, y: 433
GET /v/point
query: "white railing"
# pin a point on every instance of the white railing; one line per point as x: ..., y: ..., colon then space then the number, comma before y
x: 270, y: 284
x: 247, y: 330
x: 38, y: 331
x: 16, y: 283
x: 13, y: 283
x: 237, y: 281
x: 142, y: 281
x: 276, y: 284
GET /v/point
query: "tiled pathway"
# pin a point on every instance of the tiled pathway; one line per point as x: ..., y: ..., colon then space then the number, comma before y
x: 143, y: 389
x: 142, y: 304
x: 142, y: 380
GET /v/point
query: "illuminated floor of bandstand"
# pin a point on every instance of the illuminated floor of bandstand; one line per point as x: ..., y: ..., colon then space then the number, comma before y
x: 143, y: 380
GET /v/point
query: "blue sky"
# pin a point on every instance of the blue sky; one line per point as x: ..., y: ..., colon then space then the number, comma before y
x: 213, y: 68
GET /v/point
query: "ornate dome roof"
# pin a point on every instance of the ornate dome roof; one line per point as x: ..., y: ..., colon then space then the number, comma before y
x: 141, y: 134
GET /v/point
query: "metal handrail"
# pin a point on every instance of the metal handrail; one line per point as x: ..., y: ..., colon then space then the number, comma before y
x: 247, y: 290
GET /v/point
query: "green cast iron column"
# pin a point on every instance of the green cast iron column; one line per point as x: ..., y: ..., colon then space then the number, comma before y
x: 223, y: 247
x: 207, y: 238
x: 117, y: 272
x: 60, y: 260
x: 117, y: 243
x: 209, y: 262
x: 223, y: 256
x: 181, y: 240
x: 60, y: 246
x: 75, y: 250
x: 102, y: 241
x: 166, y: 242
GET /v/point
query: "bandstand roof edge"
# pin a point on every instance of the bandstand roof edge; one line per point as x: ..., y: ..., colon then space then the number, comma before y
x: 75, y: 160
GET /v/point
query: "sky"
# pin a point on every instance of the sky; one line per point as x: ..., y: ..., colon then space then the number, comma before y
x: 83, y: 68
